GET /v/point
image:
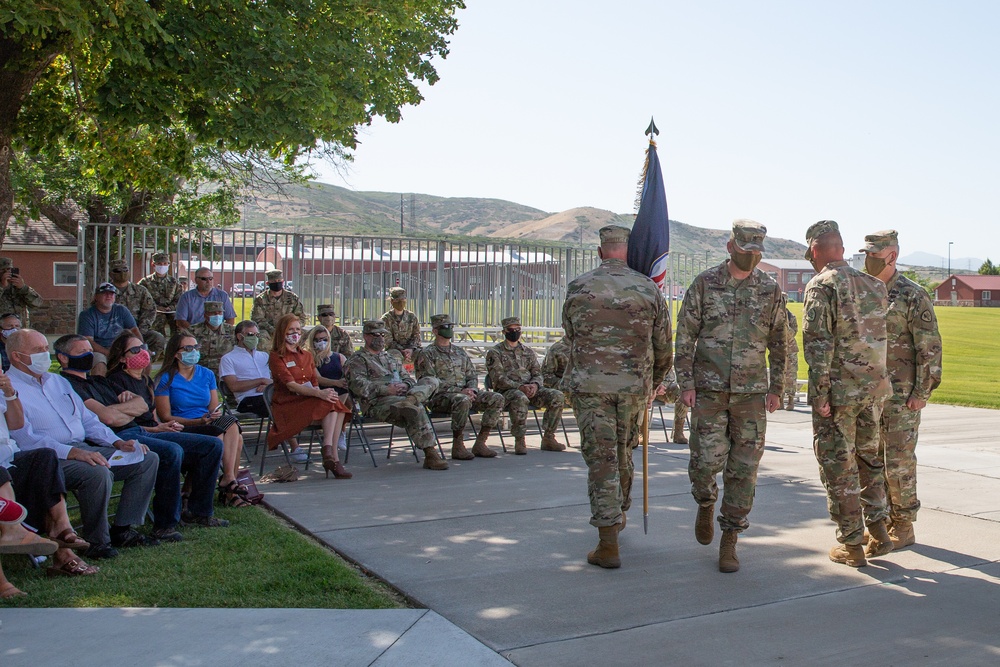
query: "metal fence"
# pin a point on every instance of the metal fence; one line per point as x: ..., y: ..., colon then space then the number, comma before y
x: 477, y: 283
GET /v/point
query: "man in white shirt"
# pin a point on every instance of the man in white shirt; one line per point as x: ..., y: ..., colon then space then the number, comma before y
x: 56, y: 418
x: 245, y: 371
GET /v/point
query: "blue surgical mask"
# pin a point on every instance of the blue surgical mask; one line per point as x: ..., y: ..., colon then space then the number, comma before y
x: 215, y: 320
x: 191, y: 358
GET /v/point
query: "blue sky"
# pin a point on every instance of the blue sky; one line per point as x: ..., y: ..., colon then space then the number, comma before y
x: 875, y: 114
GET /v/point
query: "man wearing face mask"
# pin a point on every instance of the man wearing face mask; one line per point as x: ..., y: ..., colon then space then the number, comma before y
x: 55, y: 417
x: 102, y: 322
x: 166, y: 290
x: 459, y: 390
x: 515, y: 373
x: 140, y: 303
x: 272, y: 303
x: 403, y: 327
x: 9, y: 323
x: 15, y: 295
x: 913, y: 361
x: 245, y: 370
x: 387, y: 392
x: 844, y: 344
x: 730, y: 315
x: 340, y: 340
x: 215, y: 336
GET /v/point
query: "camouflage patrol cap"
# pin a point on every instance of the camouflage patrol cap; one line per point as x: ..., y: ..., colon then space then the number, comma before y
x: 614, y: 234
x: 748, y: 235
x: 397, y: 293
x: 818, y: 229
x: 273, y: 276
x: 326, y: 309
x: 443, y: 320
x: 373, y: 327
x: 160, y: 257
x: 507, y: 321
x: 887, y: 238
x: 118, y: 266
x: 6, y: 263
x: 213, y: 307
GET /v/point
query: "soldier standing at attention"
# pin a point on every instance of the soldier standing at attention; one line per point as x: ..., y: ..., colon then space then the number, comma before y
x: 165, y: 290
x: 514, y: 372
x: 340, y: 340
x: 791, y: 361
x: 271, y: 304
x: 459, y: 390
x: 730, y: 315
x: 15, y: 295
x: 913, y: 362
x: 387, y: 392
x: 844, y: 342
x: 216, y: 336
x: 140, y: 303
x: 403, y: 327
x: 618, y: 328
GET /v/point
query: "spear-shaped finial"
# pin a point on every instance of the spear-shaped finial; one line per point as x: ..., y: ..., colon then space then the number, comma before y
x: 651, y: 130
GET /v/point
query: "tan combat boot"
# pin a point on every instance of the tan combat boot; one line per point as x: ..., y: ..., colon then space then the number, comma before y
x: 678, y: 436
x: 550, y: 444
x: 728, y: 562
x: 879, y: 542
x: 704, y: 528
x: 621, y: 526
x: 480, y: 448
x: 432, y: 461
x: 901, y: 533
x: 849, y: 554
x: 606, y: 553
x: 790, y: 404
x: 519, y: 447
x: 458, y: 450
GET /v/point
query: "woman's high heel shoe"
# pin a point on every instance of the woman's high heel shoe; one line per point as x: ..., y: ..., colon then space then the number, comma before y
x: 337, y: 468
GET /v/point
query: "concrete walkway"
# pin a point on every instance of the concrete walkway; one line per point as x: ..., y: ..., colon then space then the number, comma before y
x: 497, y: 549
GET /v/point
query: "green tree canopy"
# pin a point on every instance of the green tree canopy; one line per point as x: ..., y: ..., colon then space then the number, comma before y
x: 989, y: 269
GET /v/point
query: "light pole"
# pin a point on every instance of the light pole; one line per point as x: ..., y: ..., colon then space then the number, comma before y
x: 950, y: 244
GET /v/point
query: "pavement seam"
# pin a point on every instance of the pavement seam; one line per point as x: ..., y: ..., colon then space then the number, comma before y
x: 397, y: 639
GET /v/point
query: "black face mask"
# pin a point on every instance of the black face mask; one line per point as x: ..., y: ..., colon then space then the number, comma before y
x: 275, y: 287
x: 512, y: 335
x: 81, y: 362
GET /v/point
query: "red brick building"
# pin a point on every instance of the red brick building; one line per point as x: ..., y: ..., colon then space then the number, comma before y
x: 969, y: 290
x: 46, y: 256
x: 791, y: 274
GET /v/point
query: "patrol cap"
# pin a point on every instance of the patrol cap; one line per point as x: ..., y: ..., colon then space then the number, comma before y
x: 373, y: 327
x: 507, y: 321
x: 105, y: 288
x: 160, y: 257
x: 887, y: 238
x: 443, y: 320
x: 6, y: 263
x: 614, y: 234
x: 397, y: 293
x: 748, y: 235
x: 325, y: 310
x: 118, y: 266
x: 274, y: 276
x: 818, y: 229
x: 213, y: 307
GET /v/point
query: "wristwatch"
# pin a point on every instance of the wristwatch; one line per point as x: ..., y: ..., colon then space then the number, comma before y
x: 10, y: 398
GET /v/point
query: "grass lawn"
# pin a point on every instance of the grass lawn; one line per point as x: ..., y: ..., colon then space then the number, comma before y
x: 258, y: 561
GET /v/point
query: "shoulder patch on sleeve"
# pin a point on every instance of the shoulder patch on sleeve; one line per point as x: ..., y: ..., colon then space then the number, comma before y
x: 811, y: 315
x: 926, y: 316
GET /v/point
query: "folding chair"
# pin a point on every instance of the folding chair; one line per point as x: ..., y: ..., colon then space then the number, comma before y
x: 250, y: 419
x: 441, y: 416
x: 360, y: 426
x: 487, y: 384
x: 268, y: 397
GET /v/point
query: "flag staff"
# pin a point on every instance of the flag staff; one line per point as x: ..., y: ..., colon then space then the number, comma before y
x: 651, y: 132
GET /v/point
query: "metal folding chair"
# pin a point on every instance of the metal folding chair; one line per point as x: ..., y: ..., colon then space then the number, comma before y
x: 312, y: 429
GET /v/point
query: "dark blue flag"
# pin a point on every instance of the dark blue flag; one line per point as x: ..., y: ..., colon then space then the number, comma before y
x: 650, y: 240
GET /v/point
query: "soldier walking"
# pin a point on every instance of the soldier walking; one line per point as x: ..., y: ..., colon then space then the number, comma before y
x: 844, y: 343
x: 913, y: 361
x: 730, y: 315
x: 618, y: 328
x: 458, y: 391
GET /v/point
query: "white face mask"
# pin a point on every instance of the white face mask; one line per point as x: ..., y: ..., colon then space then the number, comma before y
x: 40, y: 362
x: 321, y: 345
x: 7, y: 333
x: 293, y: 338
x: 161, y: 270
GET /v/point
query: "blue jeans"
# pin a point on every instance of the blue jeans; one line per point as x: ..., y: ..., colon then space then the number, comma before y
x: 200, y: 456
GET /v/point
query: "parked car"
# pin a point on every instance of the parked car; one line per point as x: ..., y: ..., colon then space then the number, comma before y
x: 241, y: 290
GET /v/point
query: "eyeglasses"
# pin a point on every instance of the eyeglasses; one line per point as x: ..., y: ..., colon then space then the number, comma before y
x: 189, y: 348
x: 209, y: 279
x: 137, y: 349
x: 320, y: 340
x: 327, y: 315
x: 377, y: 335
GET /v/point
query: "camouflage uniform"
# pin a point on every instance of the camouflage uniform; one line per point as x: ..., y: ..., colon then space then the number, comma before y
x: 453, y: 368
x: 17, y: 301
x: 267, y: 310
x: 166, y: 291
x: 214, y: 342
x: 369, y: 375
x: 404, y: 331
x: 554, y: 367
x: 724, y: 327
x: 618, y: 327
x: 844, y: 343
x: 913, y: 361
x: 791, y: 359
x: 340, y: 340
x: 140, y: 303
x: 508, y: 370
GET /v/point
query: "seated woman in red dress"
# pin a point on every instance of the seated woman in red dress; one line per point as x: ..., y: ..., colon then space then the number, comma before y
x: 298, y: 399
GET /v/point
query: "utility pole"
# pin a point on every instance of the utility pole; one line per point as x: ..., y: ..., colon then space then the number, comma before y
x: 950, y: 243
x: 400, y: 213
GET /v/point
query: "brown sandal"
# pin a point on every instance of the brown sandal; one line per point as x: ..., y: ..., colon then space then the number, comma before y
x: 74, y: 567
x: 70, y: 540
